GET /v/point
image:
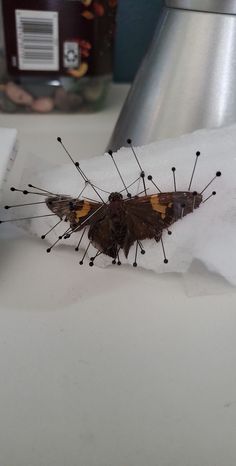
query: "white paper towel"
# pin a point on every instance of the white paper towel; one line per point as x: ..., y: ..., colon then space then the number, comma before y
x: 209, y: 234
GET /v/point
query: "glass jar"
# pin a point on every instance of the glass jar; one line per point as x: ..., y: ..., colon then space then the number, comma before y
x: 55, y: 55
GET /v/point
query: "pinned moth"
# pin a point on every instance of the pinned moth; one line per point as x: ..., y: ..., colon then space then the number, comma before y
x: 122, y: 221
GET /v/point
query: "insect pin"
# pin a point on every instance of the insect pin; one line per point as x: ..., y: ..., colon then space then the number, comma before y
x: 121, y: 221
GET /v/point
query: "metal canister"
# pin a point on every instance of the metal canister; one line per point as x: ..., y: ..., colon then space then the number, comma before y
x: 187, y: 80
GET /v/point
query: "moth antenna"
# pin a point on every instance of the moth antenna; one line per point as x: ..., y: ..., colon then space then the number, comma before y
x: 213, y: 179
x: 164, y: 252
x: 142, y: 174
x: 85, y: 252
x: 92, y: 259
x: 25, y: 192
x: 136, y: 253
x: 22, y: 205
x: 151, y: 179
x: 57, y: 241
x: 194, y: 168
x: 49, y: 231
x: 209, y: 197
x: 41, y: 189
x: 77, y: 166
x: 142, y: 250
x: 174, y: 178
x: 27, y: 218
x: 79, y: 243
x: 119, y: 173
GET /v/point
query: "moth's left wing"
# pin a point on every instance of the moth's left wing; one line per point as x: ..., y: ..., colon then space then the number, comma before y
x: 79, y: 213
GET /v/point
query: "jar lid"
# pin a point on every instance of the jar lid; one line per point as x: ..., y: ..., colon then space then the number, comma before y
x: 212, y: 6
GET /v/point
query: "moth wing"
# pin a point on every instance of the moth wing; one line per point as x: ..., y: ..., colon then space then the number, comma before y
x: 146, y: 219
x: 77, y: 212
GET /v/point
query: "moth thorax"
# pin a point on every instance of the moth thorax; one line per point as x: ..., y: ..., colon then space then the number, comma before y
x: 115, y: 197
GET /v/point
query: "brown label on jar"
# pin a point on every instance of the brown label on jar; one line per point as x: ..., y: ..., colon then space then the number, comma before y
x: 59, y: 37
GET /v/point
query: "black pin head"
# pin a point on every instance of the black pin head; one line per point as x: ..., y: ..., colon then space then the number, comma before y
x: 110, y: 152
x: 218, y: 173
x: 49, y: 250
x: 198, y: 153
x: 43, y: 237
x: 149, y: 177
x: 12, y: 188
x: 59, y: 139
x: 129, y: 141
x: 135, y: 264
x: 166, y: 261
x: 173, y: 169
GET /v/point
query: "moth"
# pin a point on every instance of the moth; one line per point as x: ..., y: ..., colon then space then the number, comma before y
x: 119, y: 223
x: 122, y: 221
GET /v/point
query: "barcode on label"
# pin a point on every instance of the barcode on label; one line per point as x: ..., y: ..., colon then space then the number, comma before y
x: 37, y: 40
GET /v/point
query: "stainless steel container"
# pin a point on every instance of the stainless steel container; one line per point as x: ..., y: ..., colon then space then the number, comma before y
x: 187, y: 80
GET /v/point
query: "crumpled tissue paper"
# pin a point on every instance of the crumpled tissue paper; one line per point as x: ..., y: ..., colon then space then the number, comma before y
x: 208, y: 235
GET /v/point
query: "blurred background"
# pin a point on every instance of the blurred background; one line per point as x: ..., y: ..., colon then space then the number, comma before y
x: 136, y: 22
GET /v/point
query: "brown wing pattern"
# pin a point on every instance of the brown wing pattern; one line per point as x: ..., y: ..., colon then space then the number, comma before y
x: 77, y: 212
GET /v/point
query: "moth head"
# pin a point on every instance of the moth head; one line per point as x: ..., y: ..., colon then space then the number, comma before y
x: 115, y: 197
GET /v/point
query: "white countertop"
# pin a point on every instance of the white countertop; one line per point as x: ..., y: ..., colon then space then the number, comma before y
x: 115, y: 367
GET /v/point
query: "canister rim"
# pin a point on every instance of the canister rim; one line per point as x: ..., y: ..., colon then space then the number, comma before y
x: 211, y: 6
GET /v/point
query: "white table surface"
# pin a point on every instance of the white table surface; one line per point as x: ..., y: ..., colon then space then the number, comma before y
x: 115, y: 367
